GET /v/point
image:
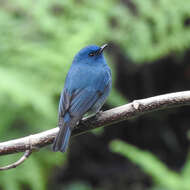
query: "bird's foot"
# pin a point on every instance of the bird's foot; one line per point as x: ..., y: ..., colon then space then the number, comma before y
x: 84, y: 120
x: 98, y: 113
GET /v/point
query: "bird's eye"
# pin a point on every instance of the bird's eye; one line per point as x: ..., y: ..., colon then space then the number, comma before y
x: 91, y: 54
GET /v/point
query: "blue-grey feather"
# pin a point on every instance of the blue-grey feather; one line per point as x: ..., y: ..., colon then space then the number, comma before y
x: 87, y: 86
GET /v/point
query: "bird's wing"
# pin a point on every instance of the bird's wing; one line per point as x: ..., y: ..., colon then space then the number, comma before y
x: 81, y: 100
x: 63, y: 102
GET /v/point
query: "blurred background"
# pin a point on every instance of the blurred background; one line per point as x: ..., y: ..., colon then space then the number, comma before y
x: 149, y: 55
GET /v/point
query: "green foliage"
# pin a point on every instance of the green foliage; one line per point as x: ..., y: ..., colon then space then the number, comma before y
x: 37, y: 43
x: 115, y: 98
x: 78, y: 186
x: 163, y: 177
x: 154, y: 29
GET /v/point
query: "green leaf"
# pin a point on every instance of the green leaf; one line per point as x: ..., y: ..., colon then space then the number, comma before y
x: 151, y: 165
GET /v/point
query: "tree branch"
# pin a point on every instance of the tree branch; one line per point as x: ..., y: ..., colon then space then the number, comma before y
x: 19, y: 162
x: 106, y: 118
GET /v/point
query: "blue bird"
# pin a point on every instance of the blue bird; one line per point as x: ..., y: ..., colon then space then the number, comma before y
x: 87, y: 86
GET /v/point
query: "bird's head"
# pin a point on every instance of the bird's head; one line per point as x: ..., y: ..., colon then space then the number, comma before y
x: 90, y: 54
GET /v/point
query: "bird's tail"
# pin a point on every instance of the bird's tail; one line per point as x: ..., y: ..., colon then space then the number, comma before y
x: 62, y: 139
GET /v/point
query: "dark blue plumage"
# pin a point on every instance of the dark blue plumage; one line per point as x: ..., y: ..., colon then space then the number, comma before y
x: 87, y: 86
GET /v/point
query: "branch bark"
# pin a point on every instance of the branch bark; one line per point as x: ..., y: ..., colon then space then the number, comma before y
x: 106, y: 118
x: 19, y: 162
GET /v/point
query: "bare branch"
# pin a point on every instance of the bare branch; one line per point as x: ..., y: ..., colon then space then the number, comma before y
x: 19, y: 162
x: 128, y: 111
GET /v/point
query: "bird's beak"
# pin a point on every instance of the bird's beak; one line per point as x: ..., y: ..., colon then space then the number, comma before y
x: 102, y: 48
